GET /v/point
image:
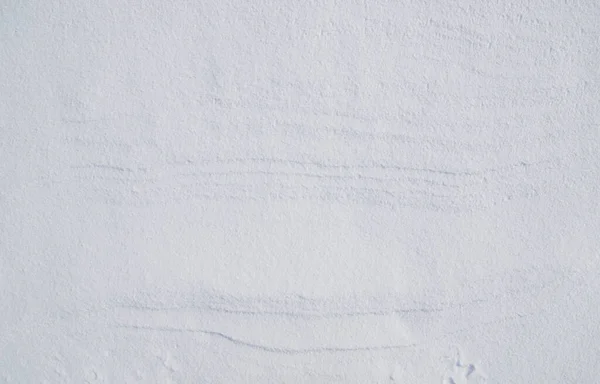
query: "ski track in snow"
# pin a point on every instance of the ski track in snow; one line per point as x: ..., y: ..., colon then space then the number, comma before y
x: 292, y: 320
x: 252, y: 178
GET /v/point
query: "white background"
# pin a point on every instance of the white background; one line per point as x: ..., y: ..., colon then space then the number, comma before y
x: 299, y: 191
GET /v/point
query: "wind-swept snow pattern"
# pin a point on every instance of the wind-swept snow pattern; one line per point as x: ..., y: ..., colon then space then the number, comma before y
x: 299, y: 192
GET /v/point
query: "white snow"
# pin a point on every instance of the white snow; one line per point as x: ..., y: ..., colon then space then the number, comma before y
x: 299, y: 191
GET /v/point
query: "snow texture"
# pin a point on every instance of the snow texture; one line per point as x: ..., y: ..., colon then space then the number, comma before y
x: 290, y: 191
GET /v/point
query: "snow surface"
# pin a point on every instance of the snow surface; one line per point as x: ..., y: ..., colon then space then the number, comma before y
x: 299, y: 191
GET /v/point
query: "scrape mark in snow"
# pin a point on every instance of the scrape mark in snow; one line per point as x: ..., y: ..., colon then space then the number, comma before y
x: 261, y: 179
x: 289, y: 351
